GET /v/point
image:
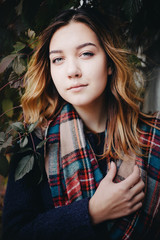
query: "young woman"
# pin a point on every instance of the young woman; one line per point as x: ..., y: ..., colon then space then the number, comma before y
x: 102, y: 160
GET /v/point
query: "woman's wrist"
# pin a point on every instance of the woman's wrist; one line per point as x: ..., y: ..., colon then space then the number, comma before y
x: 95, y: 217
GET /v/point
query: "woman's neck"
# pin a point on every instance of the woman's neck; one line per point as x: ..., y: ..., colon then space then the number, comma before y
x: 94, y: 116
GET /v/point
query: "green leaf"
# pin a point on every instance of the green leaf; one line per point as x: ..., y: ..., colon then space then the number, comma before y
x: 2, y: 136
x: 19, y: 7
x: 6, y: 143
x: 4, y: 165
x: 132, y: 8
x: 32, y: 126
x: 24, y: 166
x: 7, y: 107
x: 6, y: 61
x: 19, y: 46
x: 18, y: 126
x: 41, y: 143
x: 25, y: 149
x: 19, y: 66
x: 14, y: 80
x: 24, y: 142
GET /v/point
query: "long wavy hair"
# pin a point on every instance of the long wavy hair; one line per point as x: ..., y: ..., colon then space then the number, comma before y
x: 42, y: 101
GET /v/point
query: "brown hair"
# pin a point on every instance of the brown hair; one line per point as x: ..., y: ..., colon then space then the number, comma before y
x: 42, y: 101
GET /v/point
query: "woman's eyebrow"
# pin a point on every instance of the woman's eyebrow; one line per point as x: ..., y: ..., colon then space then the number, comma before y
x: 86, y: 44
x: 78, y: 47
x: 55, y: 51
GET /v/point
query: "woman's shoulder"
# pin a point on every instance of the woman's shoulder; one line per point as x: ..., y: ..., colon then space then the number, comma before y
x: 155, y: 119
x: 150, y: 134
x: 151, y: 123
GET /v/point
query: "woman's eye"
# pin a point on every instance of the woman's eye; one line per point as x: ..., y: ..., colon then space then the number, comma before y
x: 87, y: 54
x: 57, y: 60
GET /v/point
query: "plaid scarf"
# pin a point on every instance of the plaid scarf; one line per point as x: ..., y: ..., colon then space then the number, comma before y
x: 74, y: 172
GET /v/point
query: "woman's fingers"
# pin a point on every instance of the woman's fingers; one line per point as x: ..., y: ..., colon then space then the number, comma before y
x: 112, y: 172
x: 113, y: 200
x: 135, y: 207
x: 133, y: 178
x: 138, y: 198
x: 137, y: 188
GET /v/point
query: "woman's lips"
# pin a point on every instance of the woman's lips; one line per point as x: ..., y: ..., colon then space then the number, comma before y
x: 77, y: 87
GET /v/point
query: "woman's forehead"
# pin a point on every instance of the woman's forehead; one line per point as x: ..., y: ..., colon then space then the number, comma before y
x: 73, y: 34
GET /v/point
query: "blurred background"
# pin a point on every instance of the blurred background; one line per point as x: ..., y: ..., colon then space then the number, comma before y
x: 21, y: 21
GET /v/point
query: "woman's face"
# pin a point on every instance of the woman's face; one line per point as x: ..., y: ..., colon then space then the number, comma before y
x: 78, y: 65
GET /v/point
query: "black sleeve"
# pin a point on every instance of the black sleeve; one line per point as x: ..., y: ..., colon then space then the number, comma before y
x: 29, y: 213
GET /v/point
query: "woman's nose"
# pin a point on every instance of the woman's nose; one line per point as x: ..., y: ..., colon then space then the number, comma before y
x: 73, y: 69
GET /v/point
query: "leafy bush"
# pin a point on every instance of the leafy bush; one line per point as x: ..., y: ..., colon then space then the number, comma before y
x: 21, y: 23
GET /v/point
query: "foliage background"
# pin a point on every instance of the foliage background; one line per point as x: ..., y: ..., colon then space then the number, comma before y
x: 21, y: 21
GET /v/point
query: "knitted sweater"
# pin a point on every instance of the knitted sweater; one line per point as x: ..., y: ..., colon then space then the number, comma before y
x: 29, y: 213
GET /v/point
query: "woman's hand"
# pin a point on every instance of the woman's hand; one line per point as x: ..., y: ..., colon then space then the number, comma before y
x: 113, y: 200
